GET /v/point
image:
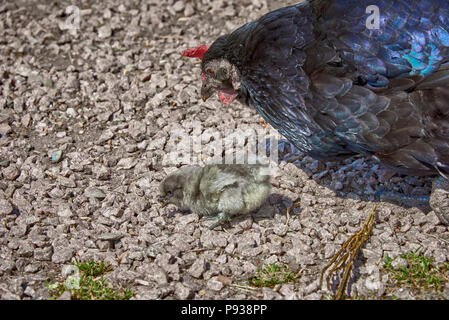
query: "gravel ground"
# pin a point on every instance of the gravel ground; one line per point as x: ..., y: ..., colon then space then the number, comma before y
x: 87, y: 116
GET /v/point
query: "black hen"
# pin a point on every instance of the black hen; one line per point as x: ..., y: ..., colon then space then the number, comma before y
x: 335, y: 85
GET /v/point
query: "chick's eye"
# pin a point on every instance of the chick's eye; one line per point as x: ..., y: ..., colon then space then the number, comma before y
x: 168, y: 192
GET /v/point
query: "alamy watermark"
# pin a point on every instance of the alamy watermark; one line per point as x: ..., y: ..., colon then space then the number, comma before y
x: 373, y: 20
x: 73, y: 19
x: 195, y: 146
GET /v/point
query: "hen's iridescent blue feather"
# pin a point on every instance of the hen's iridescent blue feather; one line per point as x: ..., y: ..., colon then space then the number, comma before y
x: 412, y: 38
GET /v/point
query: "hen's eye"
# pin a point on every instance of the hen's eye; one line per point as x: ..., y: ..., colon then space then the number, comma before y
x: 211, y: 71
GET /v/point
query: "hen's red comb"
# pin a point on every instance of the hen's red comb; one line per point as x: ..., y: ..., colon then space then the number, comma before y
x: 195, y: 52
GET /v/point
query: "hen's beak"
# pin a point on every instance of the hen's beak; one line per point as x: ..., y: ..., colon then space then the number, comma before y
x: 205, y: 92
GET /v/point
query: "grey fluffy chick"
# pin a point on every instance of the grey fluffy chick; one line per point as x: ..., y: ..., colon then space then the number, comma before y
x: 219, y: 192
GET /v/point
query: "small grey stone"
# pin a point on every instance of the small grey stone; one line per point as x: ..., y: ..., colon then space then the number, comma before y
x: 391, y: 246
x: 198, y: 268
x: 47, y: 82
x: 29, y: 291
x: 26, y: 120
x: 105, y: 31
x: 7, y: 295
x: 142, y: 282
x: 19, y: 230
x: 93, y: 192
x: 440, y: 257
x: 136, y: 255
x: 153, y: 251
x: 18, y: 105
x: 56, y: 156
x: 127, y: 163
x: 270, y: 294
x: 183, y: 292
x: 62, y: 254
x: 280, y: 229
x: 329, y: 250
x: 246, y: 242
x: 26, y: 250
x: 157, y: 274
x: 69, y: 270
x: 43, y: 254
x: 288, y: 291
x: 72, y: 82
x: 186, y: 219
x: 6, y: 266
x: 215, y: 284
x: 11, y: 173
x: 66, y: 182
x: 101, y: 172
x: 189, y: 10
x: 230, y: 248
x: 13, y: 244
x: 71, y: 112
x: 5, y: 207
x: 32, y: 267
x: 130, y: 148
x: 313, y: 296
x: 432, y: 218
x: 110, y: 212
x: 178, y: 6
x: 64, y: 211
x: 157, y: 144
x: 213, y: 239
x: 312, y: 287
x: 144, y: 183
x: 137, y: 129
x: 5, y: 129
x: 107, y: 236
x: 105, y: 136
x: 420, y: 219
x: 4, y: 162
x: 122, y: 8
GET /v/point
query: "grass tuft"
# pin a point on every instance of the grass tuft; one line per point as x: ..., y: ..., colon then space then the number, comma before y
x: 420, y: 274
x: 88, y: 284
x: 273, y: 274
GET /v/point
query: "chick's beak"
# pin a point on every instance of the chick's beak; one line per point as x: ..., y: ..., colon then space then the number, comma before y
x: 206, y: 92
x: 162, y: 201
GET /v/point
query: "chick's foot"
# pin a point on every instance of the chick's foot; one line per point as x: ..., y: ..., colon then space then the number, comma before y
x: 219, y: 219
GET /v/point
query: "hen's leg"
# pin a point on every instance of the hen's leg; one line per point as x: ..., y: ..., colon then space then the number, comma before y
x: 403, y: 199
x: 286, y: 151
x: 439, y: 199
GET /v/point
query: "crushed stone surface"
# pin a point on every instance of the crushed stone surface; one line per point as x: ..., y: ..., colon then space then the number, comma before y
x: 88, y: 111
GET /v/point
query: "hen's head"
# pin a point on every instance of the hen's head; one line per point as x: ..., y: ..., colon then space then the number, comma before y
x: 218, y: 74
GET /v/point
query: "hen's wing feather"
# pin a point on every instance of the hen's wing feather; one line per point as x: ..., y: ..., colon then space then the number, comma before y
x: 334, y: 87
